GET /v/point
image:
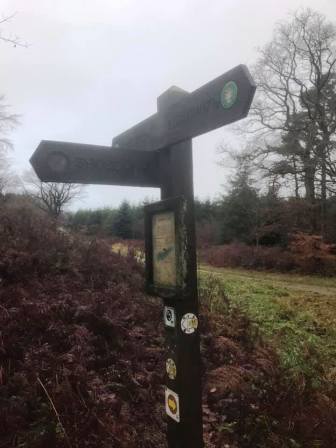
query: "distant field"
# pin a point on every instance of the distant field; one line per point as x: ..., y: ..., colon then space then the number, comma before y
x: 296, y: 314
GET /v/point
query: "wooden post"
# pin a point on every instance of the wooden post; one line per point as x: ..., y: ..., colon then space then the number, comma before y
x: 176, y: 173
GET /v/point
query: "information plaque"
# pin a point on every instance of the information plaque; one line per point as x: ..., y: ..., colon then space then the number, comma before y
x: 164, y: 253
x: 165, y: 247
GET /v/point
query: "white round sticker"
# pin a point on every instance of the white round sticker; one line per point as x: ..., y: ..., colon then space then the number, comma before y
x: 189, y: 323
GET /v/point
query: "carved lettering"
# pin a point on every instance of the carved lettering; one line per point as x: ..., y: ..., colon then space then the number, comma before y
x: 187, y: 115
x: 117, y: 169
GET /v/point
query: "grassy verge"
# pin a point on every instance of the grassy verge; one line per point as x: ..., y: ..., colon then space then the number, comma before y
x: 296, y: 314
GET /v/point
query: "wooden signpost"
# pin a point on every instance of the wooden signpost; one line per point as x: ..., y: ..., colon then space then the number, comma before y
x: 158, y: 153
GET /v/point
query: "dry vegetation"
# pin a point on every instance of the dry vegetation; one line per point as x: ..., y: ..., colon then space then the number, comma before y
x: 305, y: 254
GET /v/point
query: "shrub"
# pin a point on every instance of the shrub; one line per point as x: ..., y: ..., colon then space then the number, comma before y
x: 32, y: 246
x: 306, y: 254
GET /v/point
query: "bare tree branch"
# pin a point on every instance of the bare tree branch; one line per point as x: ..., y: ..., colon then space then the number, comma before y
x: 14, y: 40
x: 52, y: 197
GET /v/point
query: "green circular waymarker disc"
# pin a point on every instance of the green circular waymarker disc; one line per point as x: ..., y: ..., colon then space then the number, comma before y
x: 229, y: 94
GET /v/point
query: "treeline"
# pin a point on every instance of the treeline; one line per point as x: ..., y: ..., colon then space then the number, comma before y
x: 257, y: 217
x: 244, y: 214
x: 124, y: 222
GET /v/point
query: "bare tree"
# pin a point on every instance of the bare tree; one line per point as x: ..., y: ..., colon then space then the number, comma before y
x: 11, y: 39
x: 9, y: 181
x: 293, y: 118
x: 293, y: 72
x: 52, y: 197
x: 7, y: 122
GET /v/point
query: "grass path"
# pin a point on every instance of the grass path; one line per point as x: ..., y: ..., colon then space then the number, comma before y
x: 320, y: 285
x: 297, y: 314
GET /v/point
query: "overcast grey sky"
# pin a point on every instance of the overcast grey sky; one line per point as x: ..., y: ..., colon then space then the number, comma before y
x: 93, y: 68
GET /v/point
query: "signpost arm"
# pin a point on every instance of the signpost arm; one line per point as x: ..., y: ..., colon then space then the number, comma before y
x: 176, y: 172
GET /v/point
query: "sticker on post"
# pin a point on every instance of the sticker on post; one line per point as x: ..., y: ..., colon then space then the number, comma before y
x: 169, y: 316
x: 189, y: 323
x: 172, y: 405
x: 171, y: 368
